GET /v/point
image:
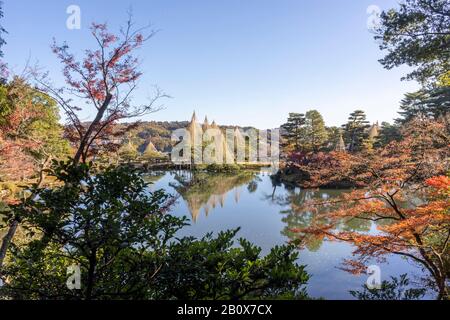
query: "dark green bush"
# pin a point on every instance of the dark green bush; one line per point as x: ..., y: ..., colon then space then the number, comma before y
x: 123, y: 239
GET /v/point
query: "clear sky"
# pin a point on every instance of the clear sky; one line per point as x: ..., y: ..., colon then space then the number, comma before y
x: 244, y: 62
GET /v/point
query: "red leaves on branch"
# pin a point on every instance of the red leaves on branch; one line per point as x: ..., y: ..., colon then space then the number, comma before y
x: 16, y: 163
x: 104, y: 80
x: 405, y: 195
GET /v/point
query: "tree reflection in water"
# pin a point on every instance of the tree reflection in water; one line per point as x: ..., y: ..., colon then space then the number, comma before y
x: 296, y: 217
x: 201, y: 190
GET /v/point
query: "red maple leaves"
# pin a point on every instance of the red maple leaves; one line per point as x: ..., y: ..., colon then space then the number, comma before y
x: 15, y: 142
x: 104, y: 80
x: 403, y: 194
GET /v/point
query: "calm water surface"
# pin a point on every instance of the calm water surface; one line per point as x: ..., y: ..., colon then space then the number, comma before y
x: 266, y: 214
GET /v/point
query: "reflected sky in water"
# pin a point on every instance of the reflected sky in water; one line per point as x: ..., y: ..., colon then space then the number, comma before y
x: 266, y: 215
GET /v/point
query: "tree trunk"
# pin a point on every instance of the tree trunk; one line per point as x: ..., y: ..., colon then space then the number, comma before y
x: 443, y: 290
x: 7, y: 241
x: 81, y: 152
x: 91, y: 275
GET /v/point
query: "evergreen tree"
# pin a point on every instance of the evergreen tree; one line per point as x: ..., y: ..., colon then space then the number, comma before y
x: 315, y: 133
x: 411, y: 106
x: 333, y: 135
x: 129, y: 151
x: 3, y: 66
x: 388, y: 133
x: 293, y: 129
x: 127, y: 246
x: 340, y: 145
x: 417, y: 34
x: 2, y: 30
x: 150, y: 152
x: 355, y: 130
x: 426, y: 103
x: 5, y: 105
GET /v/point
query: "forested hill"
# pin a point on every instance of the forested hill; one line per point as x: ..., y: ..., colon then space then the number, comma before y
x: 159, y: 134
x: 156, y: 132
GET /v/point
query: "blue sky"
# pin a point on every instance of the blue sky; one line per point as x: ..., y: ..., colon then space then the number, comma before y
x: 244, y: 62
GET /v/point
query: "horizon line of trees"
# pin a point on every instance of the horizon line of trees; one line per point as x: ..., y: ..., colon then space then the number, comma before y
x: 308, y: 132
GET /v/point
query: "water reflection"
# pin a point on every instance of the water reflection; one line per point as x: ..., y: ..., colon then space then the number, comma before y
x: 204, y: 192
x: 269, y: 213
x: 296, y: 217
x: 207, y: 191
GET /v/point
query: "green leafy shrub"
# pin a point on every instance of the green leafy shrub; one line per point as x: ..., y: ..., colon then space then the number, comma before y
x: 122, y: 238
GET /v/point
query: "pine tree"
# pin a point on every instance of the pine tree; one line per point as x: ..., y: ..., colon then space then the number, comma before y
x: 332, y: 137
x: 426, y: 103
x: 416, y: 34
x: 340, y: 145
x: 293, y: 129
x: 315, y: 133
x: 355, y: 130
x: 388, y: 133
x: 3, y: 65
x: 2, y: 30
x: 150, y: 152
x: 129, y: 151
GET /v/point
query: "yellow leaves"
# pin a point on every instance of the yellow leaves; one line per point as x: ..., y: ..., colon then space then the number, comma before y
x: 444, y: 80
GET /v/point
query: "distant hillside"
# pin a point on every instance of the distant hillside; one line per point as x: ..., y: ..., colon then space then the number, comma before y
x: 158, y: 133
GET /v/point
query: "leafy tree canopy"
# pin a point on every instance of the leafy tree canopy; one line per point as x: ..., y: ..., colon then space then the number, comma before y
x: 417, y: 34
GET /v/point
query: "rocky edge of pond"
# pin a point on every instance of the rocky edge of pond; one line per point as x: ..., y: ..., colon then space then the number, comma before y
x: 300, y: 178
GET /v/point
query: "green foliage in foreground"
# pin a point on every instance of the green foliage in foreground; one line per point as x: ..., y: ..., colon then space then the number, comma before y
x: 396, y: 289
x: 124, y: 241
x: 212, y: 268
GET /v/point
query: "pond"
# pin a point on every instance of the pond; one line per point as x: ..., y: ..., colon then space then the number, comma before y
x: 266, y: 214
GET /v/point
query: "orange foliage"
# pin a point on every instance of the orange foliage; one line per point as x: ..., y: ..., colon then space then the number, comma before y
x: 440, y: 182
x: 404, y: 194
x: 15, y: 159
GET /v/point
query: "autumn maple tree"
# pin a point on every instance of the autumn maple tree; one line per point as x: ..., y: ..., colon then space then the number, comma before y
x: 30, y: 138
x: 103, y: 82
x: 405, y: 194
x: 13, y: 140
x: 30, y: 134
